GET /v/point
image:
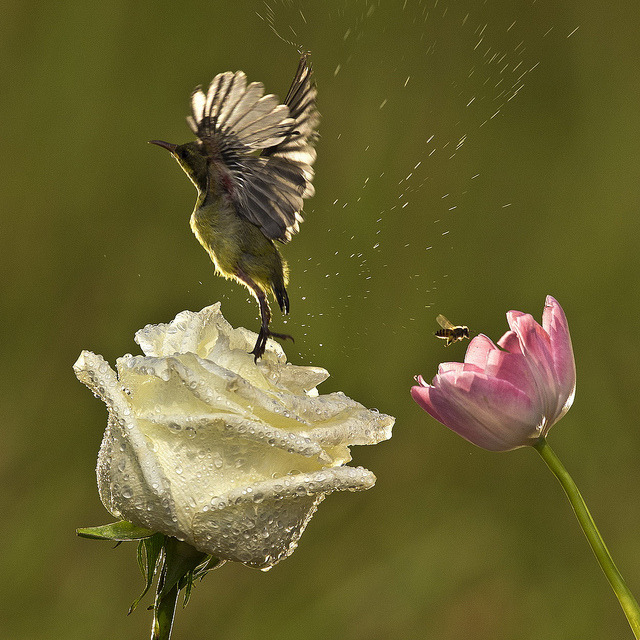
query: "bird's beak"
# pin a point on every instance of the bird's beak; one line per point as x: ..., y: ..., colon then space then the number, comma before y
x: 165, y: 145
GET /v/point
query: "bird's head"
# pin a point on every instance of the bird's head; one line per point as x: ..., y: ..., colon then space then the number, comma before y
x: 192, y: 158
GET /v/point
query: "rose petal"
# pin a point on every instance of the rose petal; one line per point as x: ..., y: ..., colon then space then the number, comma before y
x: 189, y: 430
x: 261, y: 524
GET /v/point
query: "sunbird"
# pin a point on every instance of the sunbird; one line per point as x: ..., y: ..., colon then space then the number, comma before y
x: 252, y: 167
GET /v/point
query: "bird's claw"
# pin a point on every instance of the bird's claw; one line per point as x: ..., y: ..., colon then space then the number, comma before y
x: 261, y: 342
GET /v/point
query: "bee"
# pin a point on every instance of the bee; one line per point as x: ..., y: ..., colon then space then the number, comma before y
x: 450, y: 332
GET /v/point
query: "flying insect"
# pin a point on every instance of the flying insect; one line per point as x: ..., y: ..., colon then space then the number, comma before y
x: 451, y: 332
x: 252, y: 167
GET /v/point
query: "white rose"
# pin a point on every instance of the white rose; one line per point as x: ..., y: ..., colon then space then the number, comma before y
x: 204, y: 445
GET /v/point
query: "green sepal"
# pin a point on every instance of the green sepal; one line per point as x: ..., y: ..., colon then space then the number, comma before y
x: 178, y: 564
x: 209, y: 564
x: 121, y: 531
x: 180, y: 560
x: 149, y: 550
x: 187, y: 583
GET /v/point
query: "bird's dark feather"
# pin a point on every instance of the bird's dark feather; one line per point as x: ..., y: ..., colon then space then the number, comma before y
x: 233, y: 120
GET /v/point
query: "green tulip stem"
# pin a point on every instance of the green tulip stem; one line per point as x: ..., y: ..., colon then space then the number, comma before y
x: 625, y: 597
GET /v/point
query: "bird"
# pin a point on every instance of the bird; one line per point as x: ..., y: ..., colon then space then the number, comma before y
x: 252, y: 166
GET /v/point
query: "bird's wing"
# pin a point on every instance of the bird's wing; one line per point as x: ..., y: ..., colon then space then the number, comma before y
x: 297, y: 148
x: 235, y: 119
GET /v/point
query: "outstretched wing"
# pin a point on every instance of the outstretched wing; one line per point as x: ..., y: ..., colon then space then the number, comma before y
x: 297, y: 148
x: 233, y: 120
x: 444, y: 323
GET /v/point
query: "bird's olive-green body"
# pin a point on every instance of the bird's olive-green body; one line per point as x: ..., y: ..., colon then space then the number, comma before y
x: 237, y: 246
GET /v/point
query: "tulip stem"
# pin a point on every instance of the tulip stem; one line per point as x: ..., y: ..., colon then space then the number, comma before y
x: 625, y: 597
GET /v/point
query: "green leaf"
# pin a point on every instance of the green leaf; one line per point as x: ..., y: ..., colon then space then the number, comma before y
x: 121, y: 531
x: 149, y: 551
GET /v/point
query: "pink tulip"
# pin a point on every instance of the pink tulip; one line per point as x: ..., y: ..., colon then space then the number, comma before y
x: 502, y: 399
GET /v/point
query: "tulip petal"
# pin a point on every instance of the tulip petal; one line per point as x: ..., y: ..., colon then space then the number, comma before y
x: 555, y: 324
x: 536, y: 349
x: 491, y: 413
x: 513, y: 368
x: 422, y: 395
x: 510, y: 342
x: 478, y: 351
x: 447, y: 367
x: 504, y: 399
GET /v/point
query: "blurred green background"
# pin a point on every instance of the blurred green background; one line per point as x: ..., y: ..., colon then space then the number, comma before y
x: 475, y: 156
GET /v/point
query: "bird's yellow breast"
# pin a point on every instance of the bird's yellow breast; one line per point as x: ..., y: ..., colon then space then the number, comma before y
x: 236, y: 245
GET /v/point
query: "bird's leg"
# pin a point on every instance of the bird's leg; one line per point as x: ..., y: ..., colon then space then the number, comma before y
x: 265, y: 316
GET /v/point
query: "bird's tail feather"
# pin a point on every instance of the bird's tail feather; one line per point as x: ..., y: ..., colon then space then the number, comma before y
x: 281, y: 296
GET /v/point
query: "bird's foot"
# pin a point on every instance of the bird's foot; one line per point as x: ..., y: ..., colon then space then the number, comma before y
x: 261, y: 342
